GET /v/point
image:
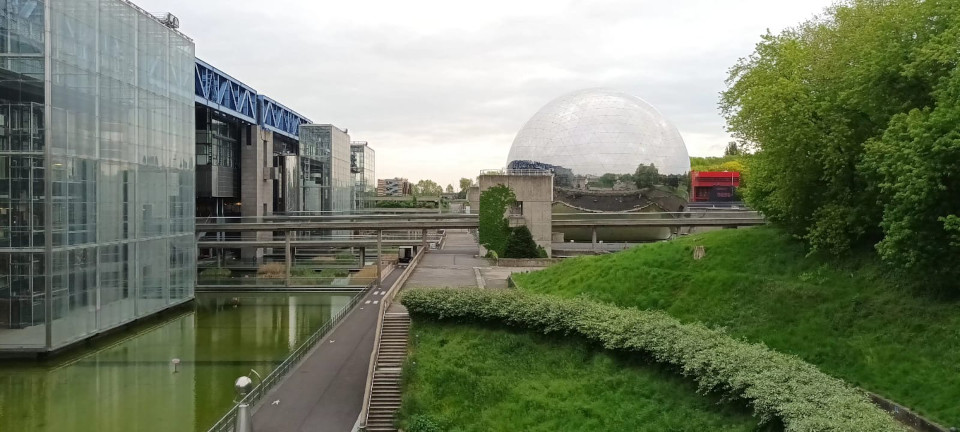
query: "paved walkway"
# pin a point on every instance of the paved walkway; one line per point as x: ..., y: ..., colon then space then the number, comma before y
x: 457, y: 266
x: 325, y: 392
x: 452, y: 266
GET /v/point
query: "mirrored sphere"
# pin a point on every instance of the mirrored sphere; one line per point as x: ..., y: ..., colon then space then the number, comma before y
x: 600, y: 131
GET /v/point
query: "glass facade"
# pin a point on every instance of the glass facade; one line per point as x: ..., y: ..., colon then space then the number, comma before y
x: 96, y: 169
x: 325, y: 168
x: 362, y: 166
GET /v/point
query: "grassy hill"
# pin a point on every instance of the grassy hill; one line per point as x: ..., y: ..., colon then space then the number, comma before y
x: 463, y: 377
x: 848, y: 316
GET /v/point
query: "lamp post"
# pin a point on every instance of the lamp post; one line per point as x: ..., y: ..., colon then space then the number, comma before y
x: 243, y: 386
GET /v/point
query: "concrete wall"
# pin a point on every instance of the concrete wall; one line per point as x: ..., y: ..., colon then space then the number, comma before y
x: 536, y: 194
x: 473, y: 198
x: 256, y: 187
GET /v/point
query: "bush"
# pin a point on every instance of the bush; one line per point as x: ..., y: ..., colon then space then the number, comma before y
x: 778, y: 385
x: 272, y: 271
x: 215, y: 273
x: 520, y: 244
x: 541, y: 252
x: 422, y: 423
x: 493, y: 229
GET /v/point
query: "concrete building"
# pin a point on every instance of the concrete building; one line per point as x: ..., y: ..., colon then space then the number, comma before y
x: 96, y: 170
x: 394, y: 187
x: 534, y: 207
x: 363, y: 168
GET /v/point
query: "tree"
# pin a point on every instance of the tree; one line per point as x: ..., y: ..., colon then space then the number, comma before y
x: 493, y: 227
x: 449, y: 188
x: 427, y: 188
x: 915, y: 165
x: 732, y: 149
x: 809, y: 99
x: 520, y: 244
x: 465, y: 183
x: 646, y: 176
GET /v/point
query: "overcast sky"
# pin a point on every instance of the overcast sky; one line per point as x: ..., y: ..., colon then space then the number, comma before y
x: 440, y: 88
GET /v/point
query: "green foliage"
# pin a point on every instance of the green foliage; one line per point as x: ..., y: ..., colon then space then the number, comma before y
x: 732, y: 149
x: 646, y: 176
x: 852, y: 317
x: 463, y: 377
x: 520, y: 244
x: 492, y: 254
x: 541, y: 252
x: 215, y: 273
x: 829, y: 106
x: 493, y: 227
x: 427, y: 188
x: 915, y: 165
x: 779, y: 386
x: 307, y: 275
x: 345, y: 258
x: 422, y: 423
x: 412, y: 203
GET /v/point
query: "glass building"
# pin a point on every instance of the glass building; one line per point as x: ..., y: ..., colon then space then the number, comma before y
x: 96, y: 169
x: 325, y: 169
x: 363, y: 168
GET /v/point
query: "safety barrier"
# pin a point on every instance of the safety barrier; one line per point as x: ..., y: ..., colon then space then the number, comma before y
x: 229, y: 420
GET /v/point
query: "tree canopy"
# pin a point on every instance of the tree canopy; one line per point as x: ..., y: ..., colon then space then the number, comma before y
x: 852, y: 121
x: 427, y: 188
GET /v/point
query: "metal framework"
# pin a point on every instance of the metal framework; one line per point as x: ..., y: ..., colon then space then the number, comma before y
x: 279, y: 119
x: 222, y: 92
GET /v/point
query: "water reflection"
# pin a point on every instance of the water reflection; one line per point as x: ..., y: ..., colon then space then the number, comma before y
x: 128, y: 384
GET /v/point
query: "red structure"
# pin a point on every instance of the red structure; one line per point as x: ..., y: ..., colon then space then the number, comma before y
x: 714, y: 185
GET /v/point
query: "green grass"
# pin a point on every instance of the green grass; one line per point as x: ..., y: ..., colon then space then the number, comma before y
x: 463, y: 377
x: 846, y: 315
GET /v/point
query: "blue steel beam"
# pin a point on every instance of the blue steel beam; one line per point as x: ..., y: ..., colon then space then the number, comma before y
x: 280, y: 119
x: 224, y: 93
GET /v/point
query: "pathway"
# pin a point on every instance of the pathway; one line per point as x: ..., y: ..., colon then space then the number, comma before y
x: 325, y: 392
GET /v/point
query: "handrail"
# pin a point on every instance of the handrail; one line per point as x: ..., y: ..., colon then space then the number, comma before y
x: 384, y: 303
x: 229, y: 420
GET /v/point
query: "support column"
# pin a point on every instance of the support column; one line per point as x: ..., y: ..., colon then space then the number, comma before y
x: 593, y: 241
x: 287, y: 258
x: 423, y: 244
x: 379, y: 258
x: 363, y: 257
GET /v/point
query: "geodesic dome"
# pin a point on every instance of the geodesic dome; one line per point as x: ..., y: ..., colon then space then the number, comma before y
x: 600, y: 131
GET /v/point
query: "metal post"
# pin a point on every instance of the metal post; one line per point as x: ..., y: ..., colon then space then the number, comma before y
x: 287, y: 259
x: 379, y: 258
x: 243, y: 386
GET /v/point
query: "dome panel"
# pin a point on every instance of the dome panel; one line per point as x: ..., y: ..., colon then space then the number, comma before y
x: 600, y: 131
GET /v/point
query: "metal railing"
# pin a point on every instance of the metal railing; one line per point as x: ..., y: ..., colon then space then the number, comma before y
x: 229, y: 420
x: 517, y: 172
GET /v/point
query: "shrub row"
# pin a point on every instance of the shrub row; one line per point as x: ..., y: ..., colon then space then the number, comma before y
x: 778, y: 385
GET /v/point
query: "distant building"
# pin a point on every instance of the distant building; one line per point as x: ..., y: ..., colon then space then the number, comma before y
x: 325, y: 169
x: 363, y: 168
x: 394, y: 187
x: 716, y: 186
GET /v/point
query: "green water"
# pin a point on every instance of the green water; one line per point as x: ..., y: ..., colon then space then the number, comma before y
x: 127, y: 383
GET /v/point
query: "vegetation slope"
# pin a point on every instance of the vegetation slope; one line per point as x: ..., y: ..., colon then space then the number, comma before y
x: 463, y: 377
x: 847, y: 315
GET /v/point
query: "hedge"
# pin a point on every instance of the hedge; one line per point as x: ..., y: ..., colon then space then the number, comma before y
x: 778, y: 385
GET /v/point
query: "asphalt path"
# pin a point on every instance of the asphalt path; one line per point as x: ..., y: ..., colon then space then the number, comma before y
x: 325, y: 392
